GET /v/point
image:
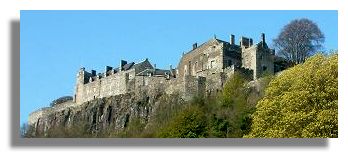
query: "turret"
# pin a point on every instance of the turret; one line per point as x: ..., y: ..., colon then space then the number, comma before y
x: 246, y: 42
x: 80, y: 81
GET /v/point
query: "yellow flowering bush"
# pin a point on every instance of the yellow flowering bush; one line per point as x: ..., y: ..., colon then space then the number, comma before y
x: 301, y: 102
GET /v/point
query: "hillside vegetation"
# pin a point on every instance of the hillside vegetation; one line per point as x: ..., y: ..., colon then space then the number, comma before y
x: 301, y: 102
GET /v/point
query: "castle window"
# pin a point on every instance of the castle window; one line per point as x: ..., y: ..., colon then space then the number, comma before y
x: 212, y: 63
x: 264, y: 68
x: 196, y: 66
x: 229, y: 62
x: 189, y: 68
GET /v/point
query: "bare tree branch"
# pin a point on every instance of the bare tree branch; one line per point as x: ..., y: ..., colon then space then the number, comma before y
x: 298, y: 40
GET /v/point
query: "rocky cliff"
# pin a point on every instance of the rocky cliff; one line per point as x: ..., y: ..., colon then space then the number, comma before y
x: 99, y: 115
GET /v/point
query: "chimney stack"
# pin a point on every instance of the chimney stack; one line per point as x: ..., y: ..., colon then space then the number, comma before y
x: 93, y: 72
x: 171, y: 69
x: 194, y: 46
x: 263, y: 39
x: 123, y: 62
x: 232, y: 39
x: 250, y: 42
x: 108, y: 68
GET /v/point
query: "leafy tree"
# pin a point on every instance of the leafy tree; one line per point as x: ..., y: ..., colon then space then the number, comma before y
x: 26, y: 131
x: 234, y: 92
x: 300, y: 102
x: 298, y: 40
x: 61, y: 100
x: 190, y: 123
x: 218, y: 127
x: 231, y: 117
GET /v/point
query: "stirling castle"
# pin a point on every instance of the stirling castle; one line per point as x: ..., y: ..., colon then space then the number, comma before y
x: 203, y: 70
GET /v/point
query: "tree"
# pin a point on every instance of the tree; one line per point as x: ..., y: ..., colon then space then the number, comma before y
x: 190, y: 123
x: 61, y: 100
x: 234, y: 91
x: 300, y: 102
x: 298, y: 40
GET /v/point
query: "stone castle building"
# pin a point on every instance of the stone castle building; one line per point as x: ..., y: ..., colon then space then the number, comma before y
x: 202, y: 70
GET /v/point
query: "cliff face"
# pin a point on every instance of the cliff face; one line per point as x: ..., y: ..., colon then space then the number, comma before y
x: 112, y: 113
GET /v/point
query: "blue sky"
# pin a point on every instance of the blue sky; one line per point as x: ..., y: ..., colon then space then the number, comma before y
x: 55, y: 44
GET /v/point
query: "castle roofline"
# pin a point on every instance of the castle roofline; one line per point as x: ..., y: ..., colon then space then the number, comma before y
x: 210, y: 40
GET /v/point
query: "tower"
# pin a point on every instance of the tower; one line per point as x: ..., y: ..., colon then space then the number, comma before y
x: 80, y: 81
x: 258, y: 57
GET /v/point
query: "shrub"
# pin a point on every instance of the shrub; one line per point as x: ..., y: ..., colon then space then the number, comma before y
x: 61, y: 100
x: 190, y: 123
x: 301, y: 102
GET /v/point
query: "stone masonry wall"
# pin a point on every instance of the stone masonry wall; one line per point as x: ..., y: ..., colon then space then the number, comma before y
x: 107, y: 86
x: 204, y: 57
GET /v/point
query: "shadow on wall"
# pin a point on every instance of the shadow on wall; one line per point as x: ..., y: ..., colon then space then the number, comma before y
x: 16, y: 141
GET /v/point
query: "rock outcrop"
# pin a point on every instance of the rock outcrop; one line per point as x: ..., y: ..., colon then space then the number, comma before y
x: 98, y: 115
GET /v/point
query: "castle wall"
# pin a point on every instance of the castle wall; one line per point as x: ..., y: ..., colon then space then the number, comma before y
x: 115, y: 84
x: 206, y: 56
x: 36, y: 115
x: 193, y: 86
x: 265, y: 62
x: 249, y: 58
x: 91, y: 90
x: 150, y: 85
x: 232, y: 56
x: 104, y: 87
x: 175, y: 85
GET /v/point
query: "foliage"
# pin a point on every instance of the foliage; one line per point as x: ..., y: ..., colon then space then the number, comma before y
x: 298, y: 40
x: 26, y: 131
x: 225, y: 115
x: 234, y: 92
x: 190, y: 123
x: 301, y: 102
x: 61, y: 100
x: 218, y: 127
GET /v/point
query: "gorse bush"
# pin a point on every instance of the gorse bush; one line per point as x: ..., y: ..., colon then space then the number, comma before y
x: 301, y: 102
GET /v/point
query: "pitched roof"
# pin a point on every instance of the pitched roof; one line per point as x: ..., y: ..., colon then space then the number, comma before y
x: 128, y: 66
x: 211, y: 40
x: 158, y: 72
